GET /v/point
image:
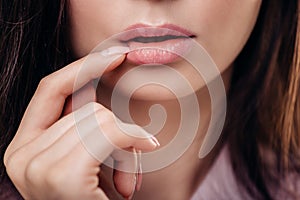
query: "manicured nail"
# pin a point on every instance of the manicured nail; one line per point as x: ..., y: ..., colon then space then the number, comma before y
x: 117, y: 50
x: 139, y: 173
x: 155, y: 141
x: 137, y: 155
x: 133, y: 188
x: 139, y: 182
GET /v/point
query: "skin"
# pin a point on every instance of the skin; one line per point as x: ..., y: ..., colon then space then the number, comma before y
x: 48, y: 146
x: 221, y: 27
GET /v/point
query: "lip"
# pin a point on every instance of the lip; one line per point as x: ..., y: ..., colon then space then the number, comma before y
x: 156, y: 44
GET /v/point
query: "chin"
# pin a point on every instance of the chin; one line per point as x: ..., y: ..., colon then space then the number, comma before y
x: 151, y: 92
x: 152, y: 82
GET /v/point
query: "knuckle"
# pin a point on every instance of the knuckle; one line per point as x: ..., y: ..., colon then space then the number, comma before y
x: 105, y: 121
x: 35, y: 170
x: 122, y: 140
x: 12, y: 164
x: 45, y: 82
x: 6, y: 157
x: 55, y: 178
x: 103, y: 116
x: 96, y: 106
x: 116, y: 136
x: 109, y: 127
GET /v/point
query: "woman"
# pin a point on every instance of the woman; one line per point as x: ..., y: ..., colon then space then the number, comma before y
x: 255, y: 45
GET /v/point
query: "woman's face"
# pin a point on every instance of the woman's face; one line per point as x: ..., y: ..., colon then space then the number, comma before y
x: 222, y: 27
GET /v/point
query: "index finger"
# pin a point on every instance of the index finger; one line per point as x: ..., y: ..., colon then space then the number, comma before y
x: 47, y: 104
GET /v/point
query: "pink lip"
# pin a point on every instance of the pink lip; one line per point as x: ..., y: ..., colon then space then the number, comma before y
x: 156, y: 52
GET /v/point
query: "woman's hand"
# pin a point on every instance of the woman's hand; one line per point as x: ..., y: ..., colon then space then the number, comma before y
x: 47, y: 160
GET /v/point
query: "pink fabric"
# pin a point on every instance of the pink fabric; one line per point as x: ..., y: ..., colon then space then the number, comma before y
x: 220, y: 182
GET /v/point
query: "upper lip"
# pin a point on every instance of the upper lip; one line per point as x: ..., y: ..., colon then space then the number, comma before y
x: 148, y: 31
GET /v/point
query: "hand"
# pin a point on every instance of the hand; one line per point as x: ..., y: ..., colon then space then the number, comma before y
x: 47, y: 160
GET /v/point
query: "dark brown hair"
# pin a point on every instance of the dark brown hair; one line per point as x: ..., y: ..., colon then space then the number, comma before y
x: 32, y: 45
x: 263, y: 123
x: 264, y: 105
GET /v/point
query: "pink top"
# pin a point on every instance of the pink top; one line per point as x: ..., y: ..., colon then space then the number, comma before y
x: 220, y: 183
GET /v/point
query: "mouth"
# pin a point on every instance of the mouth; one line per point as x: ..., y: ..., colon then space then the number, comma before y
x: 155, y: 39
x: 156, y: 45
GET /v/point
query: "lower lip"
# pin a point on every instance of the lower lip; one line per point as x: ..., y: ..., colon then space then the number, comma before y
x: 168, y: 51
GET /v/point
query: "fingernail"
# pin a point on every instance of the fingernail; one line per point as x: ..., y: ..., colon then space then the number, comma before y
x: 155, y: 141
x: 133, y: 188
x: 139, y: 173
x: 117, y: 50
x: 139, y: 182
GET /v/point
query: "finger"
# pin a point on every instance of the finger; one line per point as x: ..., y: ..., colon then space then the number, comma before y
x: 82, y: 163
x: 77, y: 172
x: 84, y: 95
x: 106, y: 183
x: 107, y: 133
x: 125, y: 172
x: 139, y: 174
x: 97, y: 131
x: 48, y: 101
x: 19, y: 156
x: 90, y: 168
x: 99, y: 134
x: 52, y: 134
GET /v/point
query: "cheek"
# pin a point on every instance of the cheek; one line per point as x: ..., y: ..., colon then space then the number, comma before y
x: 225, y: 26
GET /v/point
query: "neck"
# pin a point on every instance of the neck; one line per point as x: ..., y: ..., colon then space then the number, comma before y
x: 181, y: 178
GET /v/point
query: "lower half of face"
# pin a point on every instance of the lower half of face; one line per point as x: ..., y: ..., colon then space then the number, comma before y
x: 168, y: 40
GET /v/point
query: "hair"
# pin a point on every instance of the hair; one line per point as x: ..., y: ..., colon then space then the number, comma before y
x: 263, y: 119
x: 263, y: 122
x: 32, y: 44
